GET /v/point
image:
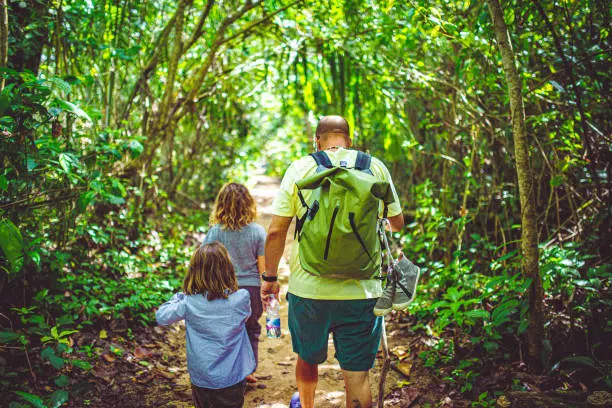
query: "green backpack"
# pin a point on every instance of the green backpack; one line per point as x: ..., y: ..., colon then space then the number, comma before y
x: 338, y: 234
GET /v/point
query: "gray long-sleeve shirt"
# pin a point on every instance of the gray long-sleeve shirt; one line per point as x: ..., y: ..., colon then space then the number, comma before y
x: 244, y: 246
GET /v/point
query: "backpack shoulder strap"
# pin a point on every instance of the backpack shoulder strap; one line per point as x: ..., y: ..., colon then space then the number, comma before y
x: 363, y: 161
x: 322, y: 159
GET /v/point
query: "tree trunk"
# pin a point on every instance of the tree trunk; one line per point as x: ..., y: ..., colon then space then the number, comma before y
x: 4, y: 31
x: 529, y: 232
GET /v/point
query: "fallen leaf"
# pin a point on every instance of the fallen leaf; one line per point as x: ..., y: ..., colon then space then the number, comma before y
x: 108, y: 357
x: 67, y: 294
x: 404, y: 367
x: 446, y: 403
x: 103, y: 334
x: 141, y: 352
x: 503, y: 402
x: 399, y: 350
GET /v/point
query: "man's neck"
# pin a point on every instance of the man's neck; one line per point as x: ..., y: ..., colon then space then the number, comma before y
x: 334, y: 143
x: 333, y: 148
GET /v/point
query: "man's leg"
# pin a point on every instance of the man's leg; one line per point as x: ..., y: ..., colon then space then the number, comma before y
x: 356, y: 339
x: 358, y: 392
x: 306, y: 376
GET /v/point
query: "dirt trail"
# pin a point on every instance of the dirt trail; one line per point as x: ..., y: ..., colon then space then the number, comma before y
x: 276, y: 378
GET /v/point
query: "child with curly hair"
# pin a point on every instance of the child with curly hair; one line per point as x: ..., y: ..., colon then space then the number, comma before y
x: 219, y: 356
x: 233, y: 224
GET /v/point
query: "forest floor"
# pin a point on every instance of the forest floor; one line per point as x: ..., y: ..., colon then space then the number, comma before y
x: 150, y: 369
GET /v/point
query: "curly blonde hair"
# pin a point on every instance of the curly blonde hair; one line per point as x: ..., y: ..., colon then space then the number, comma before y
x: 234, y: 207
x: 210, y: 272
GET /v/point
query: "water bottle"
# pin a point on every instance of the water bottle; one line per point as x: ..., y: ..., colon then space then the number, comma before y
x: 273, y: 318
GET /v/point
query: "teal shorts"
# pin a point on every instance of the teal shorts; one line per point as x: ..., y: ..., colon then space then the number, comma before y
x: 355, y: 329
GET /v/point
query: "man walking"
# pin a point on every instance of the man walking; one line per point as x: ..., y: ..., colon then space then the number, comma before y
x: 320, y: 305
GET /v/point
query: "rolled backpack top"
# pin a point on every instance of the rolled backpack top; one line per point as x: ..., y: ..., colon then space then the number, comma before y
x: 338, y: 234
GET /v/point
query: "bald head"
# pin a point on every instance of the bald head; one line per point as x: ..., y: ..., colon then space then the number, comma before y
x: 332, y: 124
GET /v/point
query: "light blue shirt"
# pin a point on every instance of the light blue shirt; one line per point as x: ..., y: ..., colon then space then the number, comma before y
x: 244, y: 246
x: 219, y: 353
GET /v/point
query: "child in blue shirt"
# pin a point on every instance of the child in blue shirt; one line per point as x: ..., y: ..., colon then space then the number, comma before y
x: 219, y: 354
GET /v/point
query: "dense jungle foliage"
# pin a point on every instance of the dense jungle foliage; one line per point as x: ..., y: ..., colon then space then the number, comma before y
x: 120, y: 120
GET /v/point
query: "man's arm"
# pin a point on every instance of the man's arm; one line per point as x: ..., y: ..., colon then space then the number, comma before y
x: 275, y: 246
x: 397, y: 222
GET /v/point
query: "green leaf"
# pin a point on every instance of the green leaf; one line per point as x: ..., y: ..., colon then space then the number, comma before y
x: 56, y: 362
x: 31, y: 163
x: 556, y: 181
x: 523, y: 326
x: 5, y: 102
x: 3, y: 183
x: 8, y: 337
x: 35, y: 257
x: 84, y: 200
x: 62, y: 381
x: 58, y: 398
x: 61, y: 84
x: 478, y: 314
x: 46, y: 353
x: 83, y: 365
x: 11, y: 243
x: 65, y: 162
x: 67, y: 333
x: 35, y: 400
x: 580, y: 360
x: 116, y: 200
x: 72, y: 108
x: 136, y: 148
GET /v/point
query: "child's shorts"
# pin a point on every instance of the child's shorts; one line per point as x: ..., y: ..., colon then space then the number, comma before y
x: 230, y: 397
x: 355, y: 329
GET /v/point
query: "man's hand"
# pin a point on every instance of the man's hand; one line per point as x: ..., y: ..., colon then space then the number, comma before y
x: 267, y: 289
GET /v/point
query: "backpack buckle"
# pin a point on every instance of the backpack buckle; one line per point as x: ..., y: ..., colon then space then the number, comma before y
x: 343, y: 163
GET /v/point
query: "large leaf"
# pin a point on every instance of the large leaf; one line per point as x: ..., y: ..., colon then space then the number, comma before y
x: 478, y: 314
x: 58, y: 398
x: 11, y: 243
x: 8, y: 337
x: 72, y: 108
x: 35, y: 400
x: 60, y: 84
x: 84, y: 200
x: 579, y: 360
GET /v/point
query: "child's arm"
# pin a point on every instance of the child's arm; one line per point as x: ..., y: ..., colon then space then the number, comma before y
x: 171, y: 311
x: 245, y: 309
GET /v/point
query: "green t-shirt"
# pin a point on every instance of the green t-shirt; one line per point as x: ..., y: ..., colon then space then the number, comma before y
x: 287, y: 204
